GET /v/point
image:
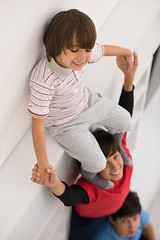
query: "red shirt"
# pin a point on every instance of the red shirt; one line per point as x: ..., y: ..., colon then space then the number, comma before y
x: 106, y: 202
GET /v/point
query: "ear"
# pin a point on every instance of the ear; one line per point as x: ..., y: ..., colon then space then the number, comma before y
x: 112, y: 221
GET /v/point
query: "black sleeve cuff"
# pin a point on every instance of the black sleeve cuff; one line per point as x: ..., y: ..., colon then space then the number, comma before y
x: 73, y: 195
x: 127, y: 100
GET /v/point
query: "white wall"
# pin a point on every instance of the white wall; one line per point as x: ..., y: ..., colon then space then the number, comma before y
x: 27, y: 209
x: 22, y: 26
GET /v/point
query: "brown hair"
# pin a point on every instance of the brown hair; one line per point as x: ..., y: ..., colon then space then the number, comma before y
x: 63, y: 26
x: 130, y: 207
x: 107, y: 142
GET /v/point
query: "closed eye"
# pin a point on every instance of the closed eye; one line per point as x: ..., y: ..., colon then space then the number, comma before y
x: 74, y: 50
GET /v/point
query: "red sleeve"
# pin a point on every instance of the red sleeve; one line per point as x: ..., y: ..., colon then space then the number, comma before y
x: 124, y: 143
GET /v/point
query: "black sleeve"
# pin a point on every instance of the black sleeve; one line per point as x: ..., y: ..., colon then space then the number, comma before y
x: 74, y: 195
x: 126, y: 100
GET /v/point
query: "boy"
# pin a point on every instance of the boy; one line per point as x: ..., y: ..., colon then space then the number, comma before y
x: 60, y: 101
x: 90, y: 202
x: 129, y: 222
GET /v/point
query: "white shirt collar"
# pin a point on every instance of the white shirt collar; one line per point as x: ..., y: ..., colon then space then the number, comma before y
x: 61, y: 72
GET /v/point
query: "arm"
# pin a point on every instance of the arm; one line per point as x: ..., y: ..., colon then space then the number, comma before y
x: 39, y: 143
x: 69, y: 195
x: 119, y: 51
x: 149, y: 232
x: 126, y: 99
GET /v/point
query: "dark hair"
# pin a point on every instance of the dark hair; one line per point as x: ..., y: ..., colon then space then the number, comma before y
x: 63, y: 26
x: 107, y: 142
x: 130, y: 207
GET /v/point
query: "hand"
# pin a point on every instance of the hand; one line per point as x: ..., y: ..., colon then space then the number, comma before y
x: 51, y: 176
x: 43, y: 174
x: 110, y: 50
x: 129, y: 75
x: 52, y: 181
x: 128, y: 58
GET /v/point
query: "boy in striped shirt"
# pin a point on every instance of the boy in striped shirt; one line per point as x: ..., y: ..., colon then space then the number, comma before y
x: 59, y: 99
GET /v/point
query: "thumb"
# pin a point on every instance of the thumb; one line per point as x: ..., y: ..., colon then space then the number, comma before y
x: 48, y: 170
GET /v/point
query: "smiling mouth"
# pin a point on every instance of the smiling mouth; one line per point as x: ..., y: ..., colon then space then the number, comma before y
x: 115, y: 173
x: 78, y: 64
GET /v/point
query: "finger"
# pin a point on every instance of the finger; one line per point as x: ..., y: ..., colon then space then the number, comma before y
x: 50, y: 170
x: 135, y: 58
x: 130, y: 63
x: 120, y: 61
x: 34, y: 180
x: 36, y: 166
x: 36, y: 175
x: 35, y: 169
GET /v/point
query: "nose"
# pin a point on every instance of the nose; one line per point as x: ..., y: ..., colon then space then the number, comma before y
x: 81, y: 55
x: 131, y: 226
x: 114, y: 164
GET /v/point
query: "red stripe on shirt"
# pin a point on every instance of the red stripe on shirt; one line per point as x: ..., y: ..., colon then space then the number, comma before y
x: 41, y: 85
x: 41, y: 92
x: 48, y: 77
x: 44, y: 70
x: 67, y: 84
x: 35, y: 71
x: 36, y: 113
x: 38, y: 105
x: 39, y: 98
x: 40, y: 67
x: 53, y: 81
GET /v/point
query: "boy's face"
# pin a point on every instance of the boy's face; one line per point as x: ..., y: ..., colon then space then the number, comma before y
x: 126, y: 226
x: 114, y: 168
x: 74, y: 58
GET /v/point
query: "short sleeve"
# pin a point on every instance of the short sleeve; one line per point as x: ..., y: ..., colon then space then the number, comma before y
x: 40, y: 97
x: 97, y: 53
x: 144, y: 218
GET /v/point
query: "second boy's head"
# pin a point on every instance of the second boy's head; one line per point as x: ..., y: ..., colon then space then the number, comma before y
x: 111, y: 149
x: 127, y: 219
x: 68, y: 33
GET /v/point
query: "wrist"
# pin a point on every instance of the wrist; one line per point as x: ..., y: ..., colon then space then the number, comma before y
x: 128, y: 86
x: 43, y: 165
x: 58, y: 188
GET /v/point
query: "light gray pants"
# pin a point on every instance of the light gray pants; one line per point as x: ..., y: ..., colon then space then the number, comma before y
x: 76, y: 138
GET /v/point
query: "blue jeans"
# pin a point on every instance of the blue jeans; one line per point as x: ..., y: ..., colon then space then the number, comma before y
x: 83, y: 228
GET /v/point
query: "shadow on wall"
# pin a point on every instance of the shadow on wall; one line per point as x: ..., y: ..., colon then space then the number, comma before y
x: 154, y: 76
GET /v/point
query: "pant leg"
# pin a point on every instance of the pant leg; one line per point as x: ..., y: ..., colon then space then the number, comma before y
x: 109, y: 114
x: 76, y: 140
x: 82, y: 228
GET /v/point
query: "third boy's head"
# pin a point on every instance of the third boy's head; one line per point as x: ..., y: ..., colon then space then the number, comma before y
x: 69, y: 39
x: 127, y: 219
x: 111, y: 149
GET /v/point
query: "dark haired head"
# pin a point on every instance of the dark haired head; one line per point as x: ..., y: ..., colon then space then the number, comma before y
x: 107, y: 142
x: 130, y: 207
x: 63, y: 27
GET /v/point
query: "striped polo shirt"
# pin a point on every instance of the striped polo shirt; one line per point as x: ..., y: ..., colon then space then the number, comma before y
x: 58, y: 94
